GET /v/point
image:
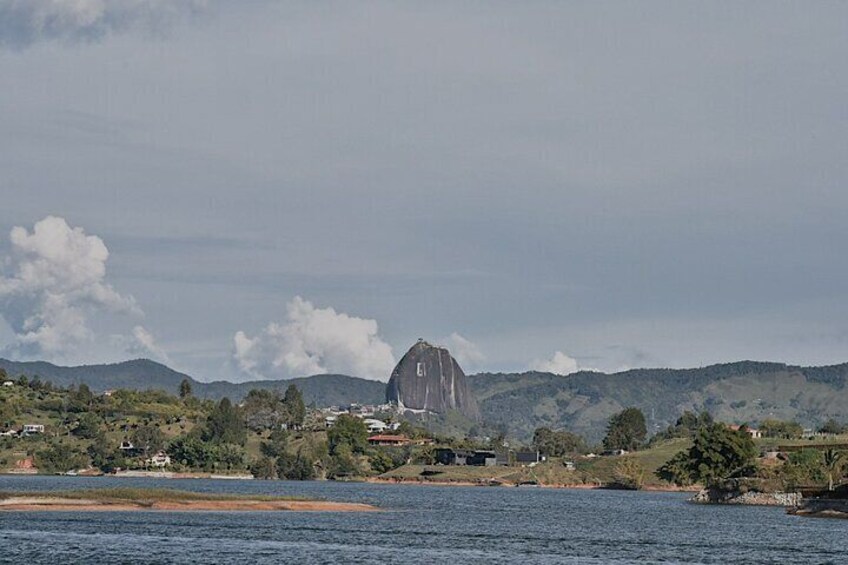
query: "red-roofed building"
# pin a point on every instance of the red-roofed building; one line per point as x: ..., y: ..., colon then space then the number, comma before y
x: 753, y: 432
x: 388, y: 440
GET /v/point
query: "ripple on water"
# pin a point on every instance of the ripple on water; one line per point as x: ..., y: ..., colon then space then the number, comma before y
x: 420, y: 524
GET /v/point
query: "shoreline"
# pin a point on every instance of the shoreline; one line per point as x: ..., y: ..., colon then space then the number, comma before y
x: 573, y: 486
x: 382, y: 481
x: 60, y: 504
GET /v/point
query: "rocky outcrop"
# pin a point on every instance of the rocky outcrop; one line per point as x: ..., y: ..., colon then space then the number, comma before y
x: 429, y: 379
x: 749, y: 492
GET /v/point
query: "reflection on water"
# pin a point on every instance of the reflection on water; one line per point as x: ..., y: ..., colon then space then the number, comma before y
x: 419, y: 524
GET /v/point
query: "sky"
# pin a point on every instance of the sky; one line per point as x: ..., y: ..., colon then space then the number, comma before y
x: 268, y: 189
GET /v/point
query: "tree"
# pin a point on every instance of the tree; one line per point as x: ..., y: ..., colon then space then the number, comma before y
x: 149, y: 439
x: 264, y: 468
x: 804, y: 466
x: 343, y: 463
x: 225, y: 424
x: 262, y: 409
x: 88, y: 426
x: 105, y: 455
x: 276, y: 444
x: 81, y: 399
x: 59, y: 458
x: 717, y: 453
x: 185, y: 389
x: 677, y: 470
x: 832, y: 462
x: 348, y: 431
x: 687, y: 424
x: 231, y: 456
x: 295, y: 467
x: 557, y: 444
x: 191, y: 451
x: 294, y: 409
x: 626, y: 430
x: 381, y: 462
x: 832, y: 427
x: 780, y: 429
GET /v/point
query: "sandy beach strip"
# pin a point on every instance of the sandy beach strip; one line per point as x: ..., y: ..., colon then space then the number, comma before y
x: 59, y: 504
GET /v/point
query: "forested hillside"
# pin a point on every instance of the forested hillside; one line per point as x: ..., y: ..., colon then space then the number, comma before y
x: 735, y: 392
x: 143, y: 374
x: 519, y: 403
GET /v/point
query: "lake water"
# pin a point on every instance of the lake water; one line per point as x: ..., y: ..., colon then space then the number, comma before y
x: 419, y: 525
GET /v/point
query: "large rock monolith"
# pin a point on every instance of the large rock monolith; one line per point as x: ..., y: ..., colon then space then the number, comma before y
x: 429, y: 379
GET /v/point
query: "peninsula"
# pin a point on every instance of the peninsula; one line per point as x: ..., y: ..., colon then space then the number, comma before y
x: 134, y: 499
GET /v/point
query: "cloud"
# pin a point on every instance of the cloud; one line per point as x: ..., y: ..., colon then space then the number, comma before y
x: 559, y: 364
x: 313, y: 341
x: 24, y: 22
x: 56, y: 283
x: 466, y: 352
x: 145, y: 345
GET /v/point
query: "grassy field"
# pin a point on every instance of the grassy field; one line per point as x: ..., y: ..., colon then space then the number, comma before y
x: 588, y: 471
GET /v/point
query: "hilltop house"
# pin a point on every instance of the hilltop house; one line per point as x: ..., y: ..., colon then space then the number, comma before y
x: 387, y: 440
x: 33, y: 429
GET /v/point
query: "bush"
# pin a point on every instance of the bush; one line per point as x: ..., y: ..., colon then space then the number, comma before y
x: 295, y: 467
x: 264, y: 468
x: 60, y: 458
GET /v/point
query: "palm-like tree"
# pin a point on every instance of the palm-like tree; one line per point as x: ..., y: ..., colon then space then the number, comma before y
x: 832, y: 461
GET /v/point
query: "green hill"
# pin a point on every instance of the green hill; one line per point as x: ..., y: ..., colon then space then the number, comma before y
x: 143, y: 374
x: 734, y: 392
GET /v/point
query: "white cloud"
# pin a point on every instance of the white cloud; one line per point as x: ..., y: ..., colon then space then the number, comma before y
x: 23, y: 22
x: 466, y: 352
x: 145, y: 345
x: 312, y: 341
x: 56, y: 282
x: 559, y: 364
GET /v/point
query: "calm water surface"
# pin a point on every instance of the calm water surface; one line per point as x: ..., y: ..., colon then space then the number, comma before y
x: 419, y: 525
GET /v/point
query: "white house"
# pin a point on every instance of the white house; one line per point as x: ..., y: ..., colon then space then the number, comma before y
x: 160, y: 460
x: 33, y: 429
x: 8, y: 383
x: 375, y: 426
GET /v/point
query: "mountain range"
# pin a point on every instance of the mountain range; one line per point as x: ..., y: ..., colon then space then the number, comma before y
x: 739, y: 392
x: 143, y: 374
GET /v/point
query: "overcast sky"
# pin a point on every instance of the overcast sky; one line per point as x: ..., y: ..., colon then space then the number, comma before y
x: 268, y: 189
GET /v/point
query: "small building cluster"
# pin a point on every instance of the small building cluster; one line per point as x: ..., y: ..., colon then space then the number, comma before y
x: 487, y: 458
x: 26, y: 430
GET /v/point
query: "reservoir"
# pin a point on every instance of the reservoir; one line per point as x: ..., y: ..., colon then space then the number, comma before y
x: 418, y: 524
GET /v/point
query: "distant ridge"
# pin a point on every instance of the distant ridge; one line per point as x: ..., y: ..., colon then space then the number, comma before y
x: 745, y: 391
x: 144, y: 374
